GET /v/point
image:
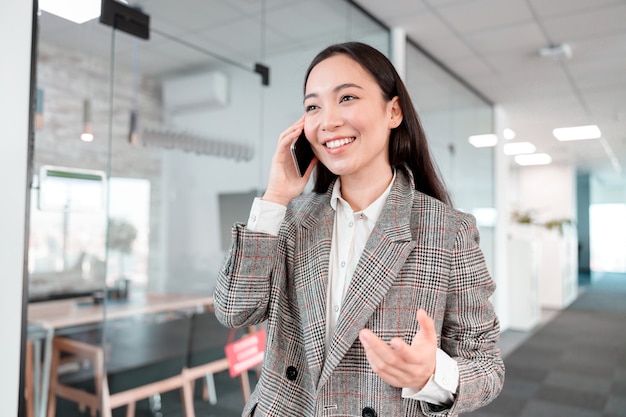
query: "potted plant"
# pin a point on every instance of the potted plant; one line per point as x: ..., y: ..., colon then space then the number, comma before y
x: 122, y: 234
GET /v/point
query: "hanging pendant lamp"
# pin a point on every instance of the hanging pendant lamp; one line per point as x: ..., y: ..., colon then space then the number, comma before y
x: 87, y: 135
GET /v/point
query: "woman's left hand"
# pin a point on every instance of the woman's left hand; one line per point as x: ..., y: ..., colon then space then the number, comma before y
x: 399, y: 364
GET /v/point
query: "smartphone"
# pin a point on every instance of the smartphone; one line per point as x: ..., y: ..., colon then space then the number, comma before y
x: 302, y: 153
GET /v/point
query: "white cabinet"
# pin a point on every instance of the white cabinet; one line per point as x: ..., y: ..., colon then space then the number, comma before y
x: 558, y: 279
x: 523, y: 265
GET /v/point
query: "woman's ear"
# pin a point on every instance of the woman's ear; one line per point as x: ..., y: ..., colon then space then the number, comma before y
x: 395, y: 112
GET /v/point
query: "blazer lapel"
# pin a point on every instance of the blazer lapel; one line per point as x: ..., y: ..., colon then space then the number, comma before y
x: 313, y: 249
x: 385, y: 253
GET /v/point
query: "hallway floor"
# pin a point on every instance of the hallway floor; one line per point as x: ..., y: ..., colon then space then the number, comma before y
x: 575, y: 364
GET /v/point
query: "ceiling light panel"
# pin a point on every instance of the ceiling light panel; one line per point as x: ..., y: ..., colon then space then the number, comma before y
x: 519, y: 148
x: 508, y: 134
x: 483, y: 141
x: 77, y: 11
x: 577, y: 133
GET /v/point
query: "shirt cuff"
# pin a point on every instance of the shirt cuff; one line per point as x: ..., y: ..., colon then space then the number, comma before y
x: 266, y: 217
x: 441, y: 386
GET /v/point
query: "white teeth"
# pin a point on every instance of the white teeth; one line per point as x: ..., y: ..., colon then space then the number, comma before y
x: 339, y: 142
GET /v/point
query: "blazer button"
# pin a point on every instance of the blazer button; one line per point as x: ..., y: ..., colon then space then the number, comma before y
x: 368, y: 412
x: 292, y: 373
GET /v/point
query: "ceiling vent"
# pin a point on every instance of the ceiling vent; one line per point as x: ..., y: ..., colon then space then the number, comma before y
x: 556, y: 52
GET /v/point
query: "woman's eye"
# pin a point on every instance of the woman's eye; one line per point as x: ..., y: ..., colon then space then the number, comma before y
x: 310, y: 107
x: 347, y: 98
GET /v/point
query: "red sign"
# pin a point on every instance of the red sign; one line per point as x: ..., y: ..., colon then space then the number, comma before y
x: 245, y: 353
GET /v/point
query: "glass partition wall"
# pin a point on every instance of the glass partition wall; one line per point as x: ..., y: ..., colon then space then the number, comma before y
x: 128, y: 229
x: 132, y: 223
x: 450, y: 113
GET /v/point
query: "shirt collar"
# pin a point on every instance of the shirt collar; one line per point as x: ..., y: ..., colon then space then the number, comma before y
x: 373, y: 210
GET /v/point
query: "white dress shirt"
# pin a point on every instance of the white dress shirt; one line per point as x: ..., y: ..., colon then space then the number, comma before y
x: 350, y: 234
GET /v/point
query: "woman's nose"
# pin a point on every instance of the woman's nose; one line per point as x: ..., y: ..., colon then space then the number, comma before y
x: 331, y: 118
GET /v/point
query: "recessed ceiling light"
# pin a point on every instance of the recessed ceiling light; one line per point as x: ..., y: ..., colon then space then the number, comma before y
x: 508, y: 134
x: 483, y: 141
x: 577, y: 132
x: 559, y: 51
x: 519, y: 148
x: 77, y: 11
x: 533, y: 159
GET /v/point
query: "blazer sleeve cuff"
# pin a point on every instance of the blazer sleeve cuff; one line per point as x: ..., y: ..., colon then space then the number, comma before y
x: 266, y: 217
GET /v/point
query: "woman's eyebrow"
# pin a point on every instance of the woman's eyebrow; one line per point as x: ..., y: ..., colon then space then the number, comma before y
x: 335, y: 90
x: 346, y: 85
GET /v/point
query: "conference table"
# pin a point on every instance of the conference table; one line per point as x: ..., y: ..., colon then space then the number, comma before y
x: 47, y: 319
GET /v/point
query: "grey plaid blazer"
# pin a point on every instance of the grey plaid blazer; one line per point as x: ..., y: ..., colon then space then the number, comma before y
x: 422, y: 253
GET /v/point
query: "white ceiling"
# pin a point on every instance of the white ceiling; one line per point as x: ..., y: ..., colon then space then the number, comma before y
x: 491, y: 44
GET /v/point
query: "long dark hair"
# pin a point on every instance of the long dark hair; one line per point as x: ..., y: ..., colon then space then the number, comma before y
x: 407, y: 143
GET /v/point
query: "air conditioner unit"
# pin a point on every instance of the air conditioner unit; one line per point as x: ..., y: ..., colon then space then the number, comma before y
x: 193, y: 92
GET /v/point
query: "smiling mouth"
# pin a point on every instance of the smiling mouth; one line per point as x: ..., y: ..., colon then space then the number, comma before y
x: 333, y: 144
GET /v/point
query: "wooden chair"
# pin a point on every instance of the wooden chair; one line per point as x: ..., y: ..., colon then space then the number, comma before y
x: 138, y: 360
x: 29, y: 391
x: 207, y: 357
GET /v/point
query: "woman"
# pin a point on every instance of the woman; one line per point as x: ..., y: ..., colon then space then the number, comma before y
x: 374, y: 288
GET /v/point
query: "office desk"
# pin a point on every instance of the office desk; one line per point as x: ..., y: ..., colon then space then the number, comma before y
x: 49, y: 318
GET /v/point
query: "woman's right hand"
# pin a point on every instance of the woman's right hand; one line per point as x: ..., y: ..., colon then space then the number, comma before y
x: 284, y: 183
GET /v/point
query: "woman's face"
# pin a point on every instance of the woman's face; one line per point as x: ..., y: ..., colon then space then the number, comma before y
x: 348, y: 122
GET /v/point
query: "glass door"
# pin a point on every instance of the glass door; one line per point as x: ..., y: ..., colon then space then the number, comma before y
x: 67, y: 260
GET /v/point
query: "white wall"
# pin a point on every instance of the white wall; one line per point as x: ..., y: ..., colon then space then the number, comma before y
x: 15, y: 44
x: 192, y: 183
